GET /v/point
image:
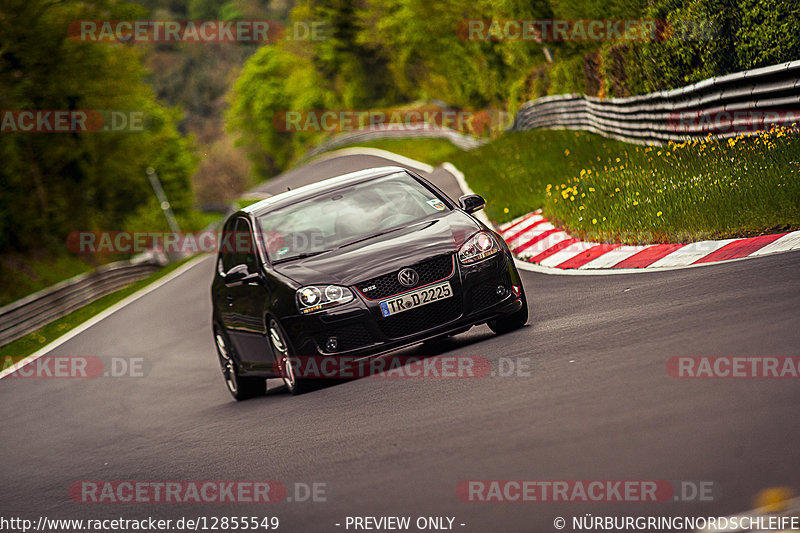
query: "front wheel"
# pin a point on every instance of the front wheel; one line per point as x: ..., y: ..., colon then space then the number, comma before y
x: 508, y: 323
x: 241, y: 388
x: 284, y: 361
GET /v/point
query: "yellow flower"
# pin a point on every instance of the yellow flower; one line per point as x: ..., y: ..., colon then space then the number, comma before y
x: 505, y: 210
x: 616, y: 189
x: 635, y: 202
x: 594, y: 221
x: 566, y: 152
x: 618, y: 160
x: 591, y: 189
x: 659, y: 214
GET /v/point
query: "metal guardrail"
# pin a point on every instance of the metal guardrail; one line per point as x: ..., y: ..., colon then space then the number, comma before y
x: 404, y: 131
x: 32, y: 312
x: 724, y: 106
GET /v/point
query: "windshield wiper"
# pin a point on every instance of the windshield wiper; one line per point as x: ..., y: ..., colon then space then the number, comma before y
x: 300, y: 256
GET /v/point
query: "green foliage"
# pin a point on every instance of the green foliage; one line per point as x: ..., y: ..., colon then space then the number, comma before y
x: 683, y: 192
x: 768, y: 32
x: 382, y: 53
x: 606, y: 190
x: 55, y: 183
x: 567, y: 76
x: 512, y: 171
x: 274, y: 82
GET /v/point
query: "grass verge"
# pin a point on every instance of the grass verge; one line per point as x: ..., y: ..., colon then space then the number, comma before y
x: 25, y: 346
x: 22, y: 275
x: 606, y: 190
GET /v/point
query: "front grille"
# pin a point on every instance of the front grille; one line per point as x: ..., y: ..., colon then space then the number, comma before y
x: 349, y: 337
x: 421, y: 318
x: 429, y: 271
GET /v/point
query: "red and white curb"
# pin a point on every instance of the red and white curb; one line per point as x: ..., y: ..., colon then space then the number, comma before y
x: 534, y: 240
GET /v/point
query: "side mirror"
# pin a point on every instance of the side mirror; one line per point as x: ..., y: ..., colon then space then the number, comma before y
x: 239, y: 275
x: 471, y: 202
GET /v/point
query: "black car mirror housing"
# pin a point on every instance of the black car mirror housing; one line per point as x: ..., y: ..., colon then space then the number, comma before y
x: 471, y: 203
x: 239, y: 275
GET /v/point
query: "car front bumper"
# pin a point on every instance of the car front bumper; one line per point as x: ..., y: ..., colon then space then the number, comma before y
x: 360, y: 330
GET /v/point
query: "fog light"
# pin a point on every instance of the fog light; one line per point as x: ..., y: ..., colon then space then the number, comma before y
x: 332, y: 344
x: 502, y: 291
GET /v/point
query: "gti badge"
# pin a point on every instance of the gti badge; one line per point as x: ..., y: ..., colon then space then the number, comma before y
x: 408, y: 277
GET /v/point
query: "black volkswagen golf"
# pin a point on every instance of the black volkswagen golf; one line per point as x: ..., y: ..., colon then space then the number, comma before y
x: 354, y: 266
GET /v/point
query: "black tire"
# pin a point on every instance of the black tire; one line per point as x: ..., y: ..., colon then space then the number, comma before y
x: 240, y: 387
x: 282, y: 352
x: 508, y: 323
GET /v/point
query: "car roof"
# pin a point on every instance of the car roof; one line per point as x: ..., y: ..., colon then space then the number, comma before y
x: 320, y: 187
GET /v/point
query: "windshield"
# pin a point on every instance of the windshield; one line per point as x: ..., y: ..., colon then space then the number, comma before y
x: 347, y: 215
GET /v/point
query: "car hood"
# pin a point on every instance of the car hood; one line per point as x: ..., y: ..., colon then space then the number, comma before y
x: 385, y: 253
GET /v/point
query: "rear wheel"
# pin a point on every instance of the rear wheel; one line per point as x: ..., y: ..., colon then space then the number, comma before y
x: 284, y: 358
x: 241, y: 388
x: 511, y: 322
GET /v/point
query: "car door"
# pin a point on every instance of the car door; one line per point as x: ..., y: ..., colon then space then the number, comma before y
x: 223, y: 292
x: 247, y: 299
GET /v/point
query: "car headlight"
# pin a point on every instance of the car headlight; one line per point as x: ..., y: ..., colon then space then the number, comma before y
x: 316, y: 297
x: 478, y: 247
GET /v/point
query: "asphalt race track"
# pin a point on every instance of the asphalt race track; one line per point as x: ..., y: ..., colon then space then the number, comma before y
x: 598, y: 403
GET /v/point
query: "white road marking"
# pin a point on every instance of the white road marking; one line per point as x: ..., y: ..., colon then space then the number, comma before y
x: 516, y: 229
x: 790, y: 241
x: 686, y: 255
x: 504, y: 227
x: 391, y: 156
x: 465, y: 189
x: 611, y: 258
x: 531, y: 234
x: 545, y: 244
x: 567, y: 253
x: 74, y: 332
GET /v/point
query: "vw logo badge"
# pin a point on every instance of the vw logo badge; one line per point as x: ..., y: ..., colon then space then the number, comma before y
x: 408, y: 277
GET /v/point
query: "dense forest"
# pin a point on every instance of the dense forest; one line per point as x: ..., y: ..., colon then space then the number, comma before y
x: 208, y: 104
x: 381, y: 53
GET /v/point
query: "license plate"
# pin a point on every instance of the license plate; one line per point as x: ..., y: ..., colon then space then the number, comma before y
x: 417, y: 298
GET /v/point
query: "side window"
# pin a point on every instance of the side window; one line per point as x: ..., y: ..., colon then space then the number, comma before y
x: 244, y: 245
x: 227, y: 247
